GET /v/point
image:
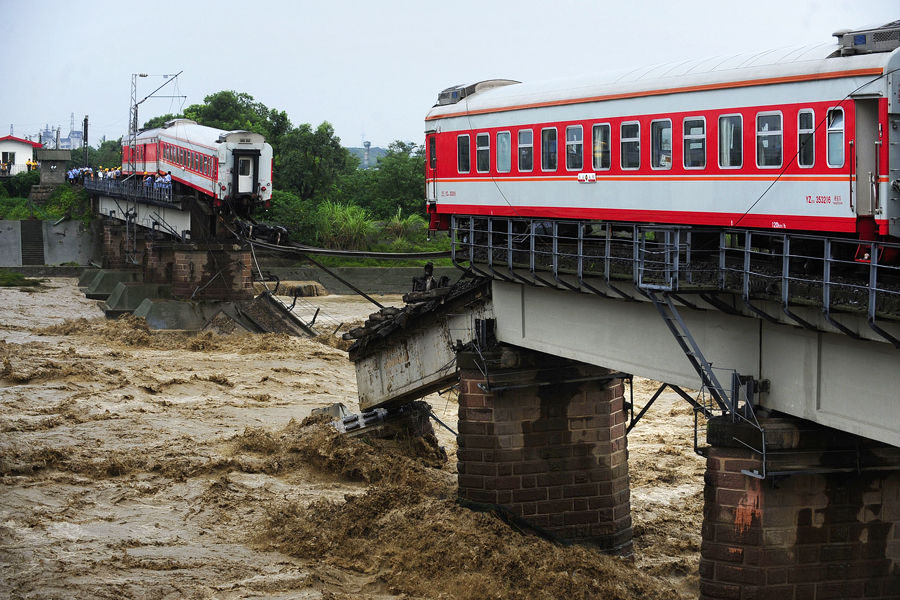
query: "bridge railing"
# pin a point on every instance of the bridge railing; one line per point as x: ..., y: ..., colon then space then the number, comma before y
x: 836, y: 275
x: 134, y: 189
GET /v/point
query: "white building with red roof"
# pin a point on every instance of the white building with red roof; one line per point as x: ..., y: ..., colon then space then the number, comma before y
x: 16, y: 153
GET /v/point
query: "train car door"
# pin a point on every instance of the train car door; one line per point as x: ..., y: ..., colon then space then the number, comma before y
x: 245, y: 175
x: 431, y: 168
x: 865, y: 150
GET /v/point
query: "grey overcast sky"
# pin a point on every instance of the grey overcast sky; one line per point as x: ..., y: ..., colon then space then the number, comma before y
x: 371, y: 68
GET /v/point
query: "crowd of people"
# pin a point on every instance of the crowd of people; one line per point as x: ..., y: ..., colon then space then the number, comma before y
x: 155, y: 181
x: 80, y: 174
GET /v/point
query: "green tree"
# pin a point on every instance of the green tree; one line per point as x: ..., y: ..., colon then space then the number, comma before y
x: 310, y: 162
x: 108, y: 154
x: 160, y: 121
x: 396, y: 184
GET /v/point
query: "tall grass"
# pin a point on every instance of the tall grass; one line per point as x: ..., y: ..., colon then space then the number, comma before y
x: 404, y: 227
x: 343, y: 226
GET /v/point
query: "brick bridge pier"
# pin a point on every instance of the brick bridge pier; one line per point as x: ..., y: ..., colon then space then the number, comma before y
x: 199, y: 271
x: 544, y: 437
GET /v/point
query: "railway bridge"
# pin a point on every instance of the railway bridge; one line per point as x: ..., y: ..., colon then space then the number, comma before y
x: 793, y: 342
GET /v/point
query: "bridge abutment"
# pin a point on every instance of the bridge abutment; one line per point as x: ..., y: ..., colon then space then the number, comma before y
x: 544, y: 437
x: 827, y: 527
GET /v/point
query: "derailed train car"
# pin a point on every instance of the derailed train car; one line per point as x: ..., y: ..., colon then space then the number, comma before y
x: 231, y: 169
x: 800, y: 139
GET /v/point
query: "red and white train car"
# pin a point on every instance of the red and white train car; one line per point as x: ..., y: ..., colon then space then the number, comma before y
x: 230, y: 168
x: 802, y: 139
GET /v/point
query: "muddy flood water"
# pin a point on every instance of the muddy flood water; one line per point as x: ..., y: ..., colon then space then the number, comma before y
x: 142, y: 464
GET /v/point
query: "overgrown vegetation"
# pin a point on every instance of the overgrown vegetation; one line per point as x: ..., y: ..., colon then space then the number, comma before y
x: 66, y: 202
x: 19, y: 186
x: 14, y: 279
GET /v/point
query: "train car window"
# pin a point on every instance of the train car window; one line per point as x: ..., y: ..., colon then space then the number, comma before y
x: 630, y: 143
x: 731, y: 142
x: 835, y: 122
x: 244, y: 167
x: 526, y: 150
x: 806, y: 129
x: 694, y: 143
x: 548, y: 149
x: 661, y: 144
x: 574, y: 147
x: 432, y: 152
x: 601, y: 147
x: 768, y: 140
x: 483, y: 152
x: 504, y: 152
x: 462, y: 154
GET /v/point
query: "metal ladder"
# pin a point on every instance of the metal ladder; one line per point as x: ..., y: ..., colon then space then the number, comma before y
x: 671, y: 317
x: 729, y: 402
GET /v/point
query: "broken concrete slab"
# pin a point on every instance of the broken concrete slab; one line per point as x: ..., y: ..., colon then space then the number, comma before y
x: 177, y: 314
x: 127, y: 296
x: 102, y: 285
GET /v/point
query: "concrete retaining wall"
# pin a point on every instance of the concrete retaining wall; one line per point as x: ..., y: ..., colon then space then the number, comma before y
x: 68, y: 242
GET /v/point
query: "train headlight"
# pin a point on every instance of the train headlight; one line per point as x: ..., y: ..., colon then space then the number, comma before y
x: 263, y: 188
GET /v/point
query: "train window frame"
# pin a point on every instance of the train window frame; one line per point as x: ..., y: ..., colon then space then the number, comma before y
x: 766, y: 135
x: 831, y: 129
x: 432, y: 152
x: 739, y: 138
x: 808, y: 131
x: 629, y: 140
x: 551, y: 153
x: 573, y: 154
x: 688, y: 138
x: 657, y: 145
x: 504, y: 152
x: 483, y: 152
x: 597, y: 156
x: 463, y: 144
x: 528, y: 147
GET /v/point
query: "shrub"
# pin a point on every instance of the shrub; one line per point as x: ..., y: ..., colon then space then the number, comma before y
x: 20, y: 185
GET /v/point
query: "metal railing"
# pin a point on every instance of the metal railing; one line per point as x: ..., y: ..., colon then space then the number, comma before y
x: 834, y: 275
x: 132, y: 189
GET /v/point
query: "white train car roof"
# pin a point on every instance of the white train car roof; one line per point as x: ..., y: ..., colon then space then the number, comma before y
x: 190, y: 131
x: 785, y: 65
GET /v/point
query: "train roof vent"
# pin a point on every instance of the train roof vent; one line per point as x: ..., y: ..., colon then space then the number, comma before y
x: 454, y: 94
x: 179, y: 122
x: 883, y: 38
